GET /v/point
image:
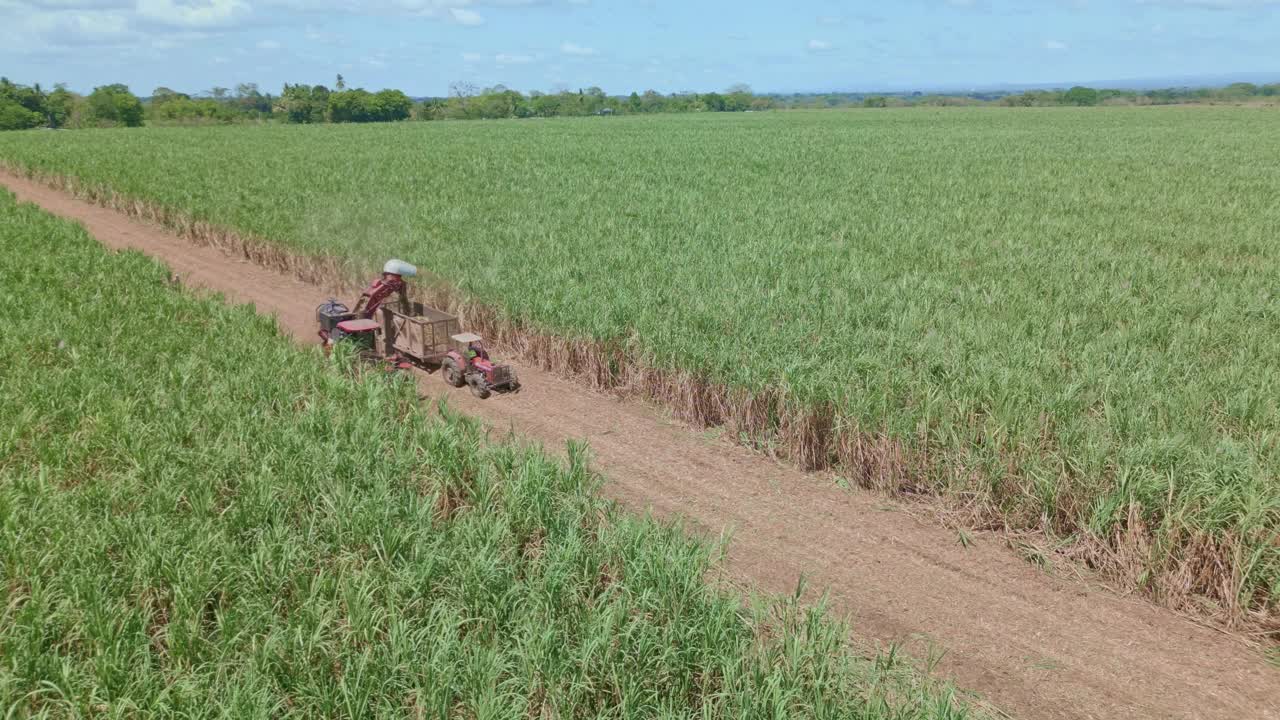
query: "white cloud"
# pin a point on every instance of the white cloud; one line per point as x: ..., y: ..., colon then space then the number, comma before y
x: 322, y: 36
x: 268, y: 45
x: 819, y: 46
x: 510, y: 59
x: 569, y: 48
x: 1213, y: 4
x: 25, y: 29
x: 211, y: 13
x: 54, y: 26
x: 463, y: 16
x: 502, y: 59
x: 85, y: 24
x: 60, y: 26
x: 76, y: 5
x: 1054, y: 45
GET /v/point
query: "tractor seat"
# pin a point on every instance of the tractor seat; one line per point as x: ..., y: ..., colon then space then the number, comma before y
x: 358, y: 326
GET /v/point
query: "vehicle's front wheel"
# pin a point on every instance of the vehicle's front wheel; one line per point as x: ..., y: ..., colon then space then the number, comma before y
x: 480, y: 389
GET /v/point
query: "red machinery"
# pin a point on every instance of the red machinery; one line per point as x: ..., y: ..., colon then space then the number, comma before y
x: 338, y: 322
x: 413, y: 334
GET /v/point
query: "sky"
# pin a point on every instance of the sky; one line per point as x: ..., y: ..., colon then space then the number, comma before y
x: 423, y: 46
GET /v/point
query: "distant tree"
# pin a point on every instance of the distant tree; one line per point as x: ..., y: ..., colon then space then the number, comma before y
x: 430, y: 109
x: 1242, y: 88
x: 115, y: 105
x: 875, y: 101
x: 304, y: 103
x: 23, y: 107
x: 360, y: 106
x: 1047, y: 98
x: 523, y: 107
x: 546, y: 105
x: 341, y: 84
x: 462, y: 89
x: 633, y: 103
x: 651, y: 101
x: 1019, y: 100
x: 592, y: 100
x: 347, y: 106
x: 163, y: 94
x: 13, y: 116
x: 62, y: 106
x: 460, y: 94
x: 498, y: 101
x: 681, y: 102
x: 195, y: 110
x: 738, y: 97
x: 320, y: 99
x: 1082, y: 96
x: 249, y: 100
x: 1111, y: 96
x: 392, y: 105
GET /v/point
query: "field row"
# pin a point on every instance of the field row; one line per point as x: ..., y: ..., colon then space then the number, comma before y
x: 199, y: 519
x: 1062, y: 318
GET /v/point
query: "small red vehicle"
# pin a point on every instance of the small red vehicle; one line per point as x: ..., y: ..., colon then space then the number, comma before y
x: 468, y: 363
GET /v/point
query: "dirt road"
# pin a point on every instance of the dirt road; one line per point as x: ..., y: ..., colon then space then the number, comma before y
x: 1035, y: 645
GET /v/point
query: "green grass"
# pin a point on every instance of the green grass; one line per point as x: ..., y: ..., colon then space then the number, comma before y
x: 1069, y: 315
x: 199, y: 519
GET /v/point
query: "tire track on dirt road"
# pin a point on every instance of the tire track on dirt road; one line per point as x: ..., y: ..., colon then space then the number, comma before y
x: 1035, y: 645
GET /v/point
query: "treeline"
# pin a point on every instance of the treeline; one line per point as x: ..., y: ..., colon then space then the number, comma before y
x: 27, y: 107
x: 465, y: 102
x: 23, y: 107
x: 316, y: 103
x: 296, y: 104
x: 1086, y: 96
x: 1077, y: 96
x: 220, y: 105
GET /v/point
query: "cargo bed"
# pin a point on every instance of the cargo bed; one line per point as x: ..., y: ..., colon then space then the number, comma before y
x: 418, y: 332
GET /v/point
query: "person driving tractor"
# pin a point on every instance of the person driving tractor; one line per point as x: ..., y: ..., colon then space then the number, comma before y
x: 475, y: 349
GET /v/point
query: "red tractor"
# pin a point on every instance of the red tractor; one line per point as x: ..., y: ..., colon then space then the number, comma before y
x: 468, y: 363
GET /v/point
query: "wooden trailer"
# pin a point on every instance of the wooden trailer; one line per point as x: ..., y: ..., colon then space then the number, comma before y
x: 418, y: 332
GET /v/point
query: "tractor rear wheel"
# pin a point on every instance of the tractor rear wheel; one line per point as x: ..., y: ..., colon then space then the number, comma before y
x: 452, y: 374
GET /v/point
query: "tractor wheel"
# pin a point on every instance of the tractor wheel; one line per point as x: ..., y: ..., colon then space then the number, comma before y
x: 480, y: 390
x: 451, y: 374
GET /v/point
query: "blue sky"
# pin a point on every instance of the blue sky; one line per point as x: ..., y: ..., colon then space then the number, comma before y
x: 421, y: 46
